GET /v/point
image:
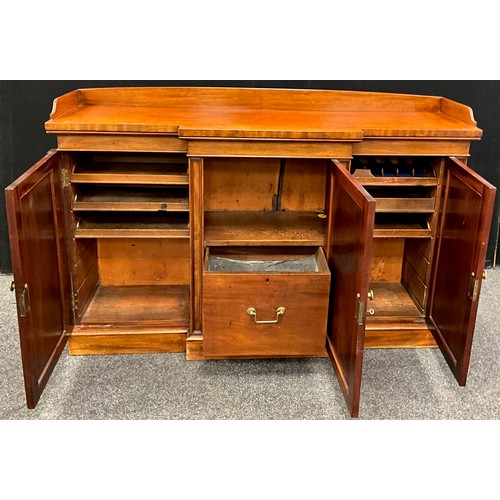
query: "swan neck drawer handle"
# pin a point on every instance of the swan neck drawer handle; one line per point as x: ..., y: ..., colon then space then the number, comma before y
x: 280, y: 311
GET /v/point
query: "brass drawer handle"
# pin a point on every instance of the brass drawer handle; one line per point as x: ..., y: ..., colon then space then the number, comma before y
x: 280, y: 311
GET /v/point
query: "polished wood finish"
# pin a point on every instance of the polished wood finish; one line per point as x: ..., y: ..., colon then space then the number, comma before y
x: 459, y: 260
x: 150, y: 180
x: 351, y: 219
x: 229, y: 331
x: 116, y: 142
x: 194, y: 347
x: 265, y: 113
x: 269, y: 149
x: 197, y: 231
x: 35, y: 214
x: 87, y: 341
x: 411, y: 147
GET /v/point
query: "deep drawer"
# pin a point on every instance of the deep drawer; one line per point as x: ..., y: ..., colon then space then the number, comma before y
x: 265, y: 302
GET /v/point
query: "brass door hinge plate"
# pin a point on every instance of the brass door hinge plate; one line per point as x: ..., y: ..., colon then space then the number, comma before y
x: 74, y: 301
x: 473, y: 291
x: 23, y: 301
x: 360, y: 310
x: 65, y: 181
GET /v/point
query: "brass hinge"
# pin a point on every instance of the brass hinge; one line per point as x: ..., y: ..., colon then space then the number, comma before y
x: 24, y: 301
x: 473, y: 291
x: 360, y: 310
x: 74, y: 301
x: 65, y: 178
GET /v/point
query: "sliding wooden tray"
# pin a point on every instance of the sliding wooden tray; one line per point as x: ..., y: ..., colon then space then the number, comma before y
x: 390, y: 225
x: 366, y: 178
x: 126, y: 225
x: 137, y: 200
x: 405, y: 205
x: 131, y: 173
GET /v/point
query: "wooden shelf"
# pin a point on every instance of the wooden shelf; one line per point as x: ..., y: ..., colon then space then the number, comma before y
x: 130, y: 225
x: 173, y: 174
x: 383, y: 171
x: 391, y: 299
x: 405, y: 205
x: 366, y: 178
x: 137, y: 200
x: 121, y: 305
x: 264, y: 228
x: 390, y: 225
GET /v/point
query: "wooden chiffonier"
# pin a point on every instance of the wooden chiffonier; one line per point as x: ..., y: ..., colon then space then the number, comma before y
x: 233, y: 223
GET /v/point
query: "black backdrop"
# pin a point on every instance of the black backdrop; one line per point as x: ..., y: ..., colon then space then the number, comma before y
x: 25, y: 106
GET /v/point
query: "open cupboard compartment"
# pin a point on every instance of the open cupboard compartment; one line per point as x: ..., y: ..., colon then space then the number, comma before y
x: 264, y: 201
x: 407, y: 192
x: 130, y: 250
x: 130, y: 281
x: 266, y: 282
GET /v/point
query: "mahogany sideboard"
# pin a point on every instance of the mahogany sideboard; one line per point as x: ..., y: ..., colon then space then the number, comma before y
x: 250, y: 223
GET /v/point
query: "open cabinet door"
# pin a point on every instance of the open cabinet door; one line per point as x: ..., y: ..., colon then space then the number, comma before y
x: 350, y: 236
x: 465, y: 220
x: 36, y: 231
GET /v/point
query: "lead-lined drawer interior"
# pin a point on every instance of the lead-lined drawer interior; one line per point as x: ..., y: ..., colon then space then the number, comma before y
x: 265, y: 260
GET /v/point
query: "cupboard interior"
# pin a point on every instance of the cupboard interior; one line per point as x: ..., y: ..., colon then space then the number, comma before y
x: 127, y: 280
x: 131, y: 245
x: 131, y: 251
x: 282, y: 202
x: 264, y: 202
x: 407, y: 193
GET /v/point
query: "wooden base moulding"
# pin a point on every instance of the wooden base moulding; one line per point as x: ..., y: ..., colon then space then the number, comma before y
x: 85, y: 341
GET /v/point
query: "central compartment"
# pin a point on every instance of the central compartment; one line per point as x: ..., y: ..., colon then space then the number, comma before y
x: 266, y: 282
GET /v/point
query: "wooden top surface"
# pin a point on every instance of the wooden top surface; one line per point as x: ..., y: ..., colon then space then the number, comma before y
x: 197, y: 112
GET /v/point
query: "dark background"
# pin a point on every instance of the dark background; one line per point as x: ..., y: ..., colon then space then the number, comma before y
x: 25, y: 107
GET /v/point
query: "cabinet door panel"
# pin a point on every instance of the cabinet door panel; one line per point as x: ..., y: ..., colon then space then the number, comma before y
x: 351, y: 221
x: 459, y: 258
x: 36, y: 222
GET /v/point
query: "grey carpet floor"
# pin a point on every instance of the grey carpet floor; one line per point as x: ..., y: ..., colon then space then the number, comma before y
x: 406, y: 384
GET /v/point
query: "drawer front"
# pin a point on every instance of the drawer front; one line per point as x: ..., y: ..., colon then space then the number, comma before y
x: 229, y: 329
